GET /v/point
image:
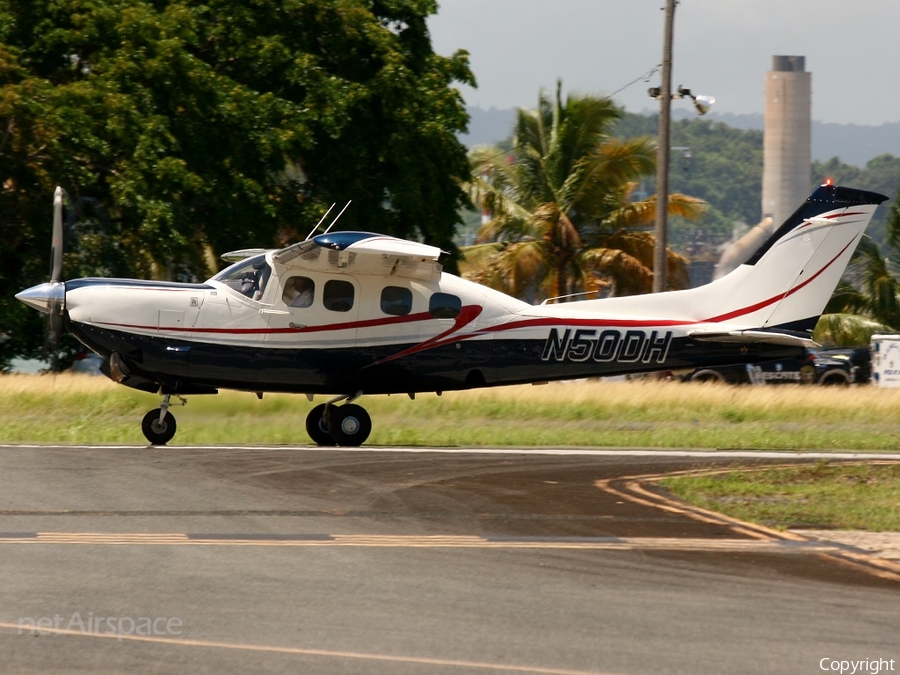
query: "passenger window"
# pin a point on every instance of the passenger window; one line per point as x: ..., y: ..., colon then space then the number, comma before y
x: 338, y: 295
x: 396, y: 301
x: 444, y: 306
x: 299, y: 292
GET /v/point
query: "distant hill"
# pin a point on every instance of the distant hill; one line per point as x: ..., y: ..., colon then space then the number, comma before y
x: 854, y: 144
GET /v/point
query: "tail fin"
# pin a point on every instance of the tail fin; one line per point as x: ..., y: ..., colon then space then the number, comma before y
x: 785, y: 285
x: 788, y: 281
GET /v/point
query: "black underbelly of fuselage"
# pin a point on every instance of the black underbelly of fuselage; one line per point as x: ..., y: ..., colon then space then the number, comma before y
x: 176, y: 365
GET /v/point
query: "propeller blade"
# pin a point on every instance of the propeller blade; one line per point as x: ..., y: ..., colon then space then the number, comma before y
x: 56, y: 324
x: 58, y: 293
x: 56, y: 249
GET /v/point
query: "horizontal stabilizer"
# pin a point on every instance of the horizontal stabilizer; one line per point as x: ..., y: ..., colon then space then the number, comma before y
x: 756, y: 336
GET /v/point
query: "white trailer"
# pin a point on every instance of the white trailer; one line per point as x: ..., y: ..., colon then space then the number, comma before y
x: 885, y: 360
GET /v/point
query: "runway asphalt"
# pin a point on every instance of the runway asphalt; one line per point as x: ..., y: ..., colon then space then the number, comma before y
x: 413, y: 560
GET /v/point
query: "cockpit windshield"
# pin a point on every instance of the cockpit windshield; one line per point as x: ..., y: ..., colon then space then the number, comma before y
x: 248, y: 277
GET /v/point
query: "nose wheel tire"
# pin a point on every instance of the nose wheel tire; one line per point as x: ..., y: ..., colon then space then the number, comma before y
x: 316, y: 426
x: 158, y: 433
x: 350, y: 425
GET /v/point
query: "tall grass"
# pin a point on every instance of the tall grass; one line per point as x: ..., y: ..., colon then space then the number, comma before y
x: 644, y: 413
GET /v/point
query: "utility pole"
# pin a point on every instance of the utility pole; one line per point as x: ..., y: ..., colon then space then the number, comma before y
x: 660, y: 258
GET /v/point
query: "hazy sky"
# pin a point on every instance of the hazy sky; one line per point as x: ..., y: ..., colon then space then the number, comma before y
x: 721, y: 47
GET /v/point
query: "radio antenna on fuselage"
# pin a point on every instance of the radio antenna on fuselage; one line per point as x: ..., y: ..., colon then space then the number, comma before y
x: 328, y: 229
x: 321, y: 220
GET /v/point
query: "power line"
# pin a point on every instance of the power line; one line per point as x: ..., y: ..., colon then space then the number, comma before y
x: 646, y: 76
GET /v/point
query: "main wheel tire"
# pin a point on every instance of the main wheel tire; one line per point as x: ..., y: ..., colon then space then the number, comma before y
x: 158, y: 433
x: 350, y: 425
x: 316, y: 427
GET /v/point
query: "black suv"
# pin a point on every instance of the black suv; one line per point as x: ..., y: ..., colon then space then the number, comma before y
x: 809, y: 367
x: 859, y: 358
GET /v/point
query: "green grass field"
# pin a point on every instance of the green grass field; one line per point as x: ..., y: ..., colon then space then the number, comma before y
x: 823, y: 495
x: 643, y: 413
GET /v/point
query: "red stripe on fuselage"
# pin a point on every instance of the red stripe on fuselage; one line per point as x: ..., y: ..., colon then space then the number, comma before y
x: 468, y: 314
x: 778, y: 298
x: 349, y: 325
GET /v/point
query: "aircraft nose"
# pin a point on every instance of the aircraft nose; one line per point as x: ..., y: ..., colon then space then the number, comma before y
x: 43, y: 296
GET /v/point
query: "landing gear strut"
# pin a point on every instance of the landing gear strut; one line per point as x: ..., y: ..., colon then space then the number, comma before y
x: 327, y: 424
x: 348, y: 425
x: 159, y: 425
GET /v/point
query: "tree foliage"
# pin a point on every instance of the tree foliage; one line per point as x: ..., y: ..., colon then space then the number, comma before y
x: 563, y: 218
x: 183, y: 126
x: 724, y: 168
x: 867, y: 301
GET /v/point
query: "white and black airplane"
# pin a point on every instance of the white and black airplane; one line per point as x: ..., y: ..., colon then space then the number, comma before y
x: 345, y: 314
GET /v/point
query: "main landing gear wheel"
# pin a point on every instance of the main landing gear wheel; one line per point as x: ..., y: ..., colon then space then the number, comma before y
x: 316, y: 426
x: 156, y: 431
x: 350, y: 425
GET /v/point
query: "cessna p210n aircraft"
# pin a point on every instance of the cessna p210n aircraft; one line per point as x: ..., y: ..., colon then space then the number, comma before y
x: 351, y: 313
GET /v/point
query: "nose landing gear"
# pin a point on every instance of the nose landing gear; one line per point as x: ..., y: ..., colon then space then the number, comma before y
x: 159, y: 425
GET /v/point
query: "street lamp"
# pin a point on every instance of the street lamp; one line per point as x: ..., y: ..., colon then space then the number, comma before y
x: 665, y: 96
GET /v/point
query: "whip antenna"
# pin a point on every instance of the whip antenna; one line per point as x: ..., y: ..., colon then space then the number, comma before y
x: 328, y: 229
x: 321, y: 220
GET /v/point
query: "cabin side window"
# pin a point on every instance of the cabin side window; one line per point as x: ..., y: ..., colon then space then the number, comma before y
x: 396, y: 301
x: 444, y: 306
x: 299, y: 292
x: 338, y: 295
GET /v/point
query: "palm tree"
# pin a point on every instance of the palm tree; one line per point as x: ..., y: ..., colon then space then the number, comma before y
x: 563, y: 219
x: 867, y: 301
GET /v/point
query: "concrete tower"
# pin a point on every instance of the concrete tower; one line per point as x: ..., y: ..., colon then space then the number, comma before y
x: 786, y: 149
x: 787, y: 156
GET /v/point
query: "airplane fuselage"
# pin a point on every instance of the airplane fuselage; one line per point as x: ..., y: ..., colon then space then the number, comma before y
x: 194, y: 337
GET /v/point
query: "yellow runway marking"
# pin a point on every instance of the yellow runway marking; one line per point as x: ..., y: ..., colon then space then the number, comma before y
x: 300, y: 651
x: 107, y: 538
x: 421, y: 541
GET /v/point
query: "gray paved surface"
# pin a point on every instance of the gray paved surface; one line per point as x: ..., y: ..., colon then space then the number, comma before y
x: 309, y: 561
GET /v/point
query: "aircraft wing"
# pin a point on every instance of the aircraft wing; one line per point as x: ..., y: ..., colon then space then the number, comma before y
x: 363, y: 253
x: 242, y: 254
x: 752, y: 335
